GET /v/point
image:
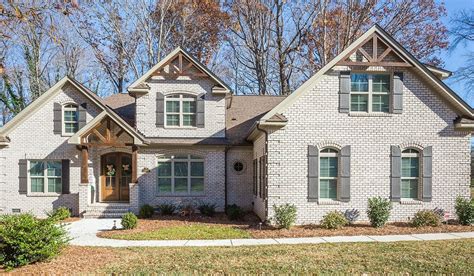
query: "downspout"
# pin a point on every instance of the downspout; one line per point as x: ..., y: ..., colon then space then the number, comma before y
x: 265, y: 154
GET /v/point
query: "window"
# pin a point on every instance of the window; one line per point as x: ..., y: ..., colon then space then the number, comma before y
x: 180, y: 111
x: 180, y: 174
x: 70, y: 119
x: 328, y: 173
x: 410, y: 174
x: 238, y: 166
x: 45, y: 176
x: 370, y: 92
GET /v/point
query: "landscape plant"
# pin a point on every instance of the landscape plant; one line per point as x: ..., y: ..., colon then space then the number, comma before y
x: 59, y: 214
x: 334, y: 220
x: 146, y: 211
x: 378, y: 211
x: 234, y: 212
x: 426, y: 218
x: 285, y: 215
x: 351, y: 215
x: 465, y: 210
x: 207, y: 209
x: 129, y: 221
x: 25, y: 239
x: 167, y: 208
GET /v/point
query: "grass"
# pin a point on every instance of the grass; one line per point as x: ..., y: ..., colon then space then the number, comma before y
x: 419, y: 257
x: 186, y: 232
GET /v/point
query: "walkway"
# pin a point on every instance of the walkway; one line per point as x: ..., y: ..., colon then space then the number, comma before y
x: 83, y: 233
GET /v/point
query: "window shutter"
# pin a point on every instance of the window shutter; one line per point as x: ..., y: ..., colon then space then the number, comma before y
x: 255, y: 177
x: 260, y: 190
x: 313, y: 173
x: 264, y: 176
x: 345, y: 192
x: 65, y: 176
x: 160, y: 110
x: 344, y: 91
x: 396, y: 173
x: 82, y: 115
x: 23, y: 176
x: 427, y: 173
x: 200, y: 111
x: 397, y: 92
x: 57, y: 118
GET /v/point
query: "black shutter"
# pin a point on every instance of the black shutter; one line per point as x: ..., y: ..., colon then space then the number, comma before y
x: 200, y: 115
x: 65, y: 176
x: 255, y: 172
x: 345, y: 192
x: 57, y: 119
x: 397, y: 93
x: 396, y: 157
x: 160, y: 110
x: 23, y: 176
x: 344, y: 91
x: 313, y: 173
x: 427, y: 173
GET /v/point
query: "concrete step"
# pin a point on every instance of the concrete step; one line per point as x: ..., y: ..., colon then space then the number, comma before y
x: 111, y: 210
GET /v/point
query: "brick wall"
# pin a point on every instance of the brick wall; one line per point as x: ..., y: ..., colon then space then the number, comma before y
x: 239, y: 184
x: 314, y: 119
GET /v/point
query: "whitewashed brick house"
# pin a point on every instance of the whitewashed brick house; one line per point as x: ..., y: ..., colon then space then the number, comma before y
x: 373, y: 122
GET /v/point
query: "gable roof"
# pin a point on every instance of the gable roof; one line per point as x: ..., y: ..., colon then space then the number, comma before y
x: 140, y: 86
x: 459, y: 104
x: 31, y: 109
x: 124, y: 105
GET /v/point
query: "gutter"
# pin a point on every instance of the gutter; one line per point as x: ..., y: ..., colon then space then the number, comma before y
x: 265, y: 153
x: 225, y: 178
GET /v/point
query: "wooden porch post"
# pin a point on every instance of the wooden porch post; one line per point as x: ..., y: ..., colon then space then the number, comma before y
x: 134, y: 164
x: 85, y: 165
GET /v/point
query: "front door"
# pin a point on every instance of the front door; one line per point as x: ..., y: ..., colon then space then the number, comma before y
x: 116, y: 174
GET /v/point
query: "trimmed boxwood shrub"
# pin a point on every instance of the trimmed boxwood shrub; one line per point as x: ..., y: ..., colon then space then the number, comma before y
x: 426, y: 218
x: 60, y: 213
x: 146, y: 211
x: 465, y: 210
x: 207, y: 209
x: 334, y: 220
x: 129, y: 220
x: 285, y: 215
x: 167, y: 209
x: 378, y: 211
x: 25, y: 239
x: 234, y: 212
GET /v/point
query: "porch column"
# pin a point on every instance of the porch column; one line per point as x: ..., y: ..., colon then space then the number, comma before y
x: 84, y: 165
x: 134, y: 164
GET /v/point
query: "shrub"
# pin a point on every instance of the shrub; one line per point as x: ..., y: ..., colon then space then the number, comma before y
x: 285, y: 215
x: 426, y: 218
x: 129, y: 220
x: 187, y: 209
x: 146, y: 211
x: 378, y: 211
x: 465, y: 210
x: 167, y: 209
x: 334, y: 220
x: 26, y: 239
x: 207, y: 209
x: 351, y: 215
x: 60, y: 213
x: 234, y: 212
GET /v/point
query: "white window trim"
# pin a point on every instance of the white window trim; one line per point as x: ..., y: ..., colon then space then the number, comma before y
x: 45, y: 178
x: 370, y: 93
x: 65, y: 107
x: 329, y: 154
x: 182, y: 98
x: 419, y: 179
x: 172, y: 177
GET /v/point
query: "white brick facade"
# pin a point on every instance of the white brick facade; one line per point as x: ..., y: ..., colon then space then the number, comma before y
x: 314, y: 119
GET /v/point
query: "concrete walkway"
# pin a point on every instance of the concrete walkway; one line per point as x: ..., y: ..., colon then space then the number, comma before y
x: 83, y: 233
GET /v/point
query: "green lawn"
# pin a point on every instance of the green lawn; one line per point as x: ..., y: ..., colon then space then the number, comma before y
x: 186, y: 232
x: 404, y: 257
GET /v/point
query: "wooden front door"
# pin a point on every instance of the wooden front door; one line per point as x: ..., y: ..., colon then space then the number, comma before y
x: 116, y: 175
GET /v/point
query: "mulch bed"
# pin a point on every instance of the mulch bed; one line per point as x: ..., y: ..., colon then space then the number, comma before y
x: 251, y: 224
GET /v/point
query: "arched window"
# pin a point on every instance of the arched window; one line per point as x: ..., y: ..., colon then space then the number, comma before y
x: 180, y: 175
x: 328, y: 173
x: 410, y: 179
x: 180, y: 110
x: 70, y: 119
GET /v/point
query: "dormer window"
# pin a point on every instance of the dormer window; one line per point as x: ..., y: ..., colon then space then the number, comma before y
x: 180, y: 111
x: 70, y: 119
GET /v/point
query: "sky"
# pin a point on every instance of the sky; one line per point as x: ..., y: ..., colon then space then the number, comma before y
x: 455, y: 58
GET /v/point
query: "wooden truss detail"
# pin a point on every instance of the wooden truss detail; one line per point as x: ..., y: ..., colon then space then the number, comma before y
x: 369, y: 50
x: 107, y: 133
x: 180, y: 66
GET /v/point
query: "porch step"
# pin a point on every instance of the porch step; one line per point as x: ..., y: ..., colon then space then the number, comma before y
x: 111, y: 210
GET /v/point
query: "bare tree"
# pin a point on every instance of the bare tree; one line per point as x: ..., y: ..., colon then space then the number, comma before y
x: 463, y: 33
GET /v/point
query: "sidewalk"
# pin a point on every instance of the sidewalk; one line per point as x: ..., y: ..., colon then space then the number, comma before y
x: 83, y: 233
